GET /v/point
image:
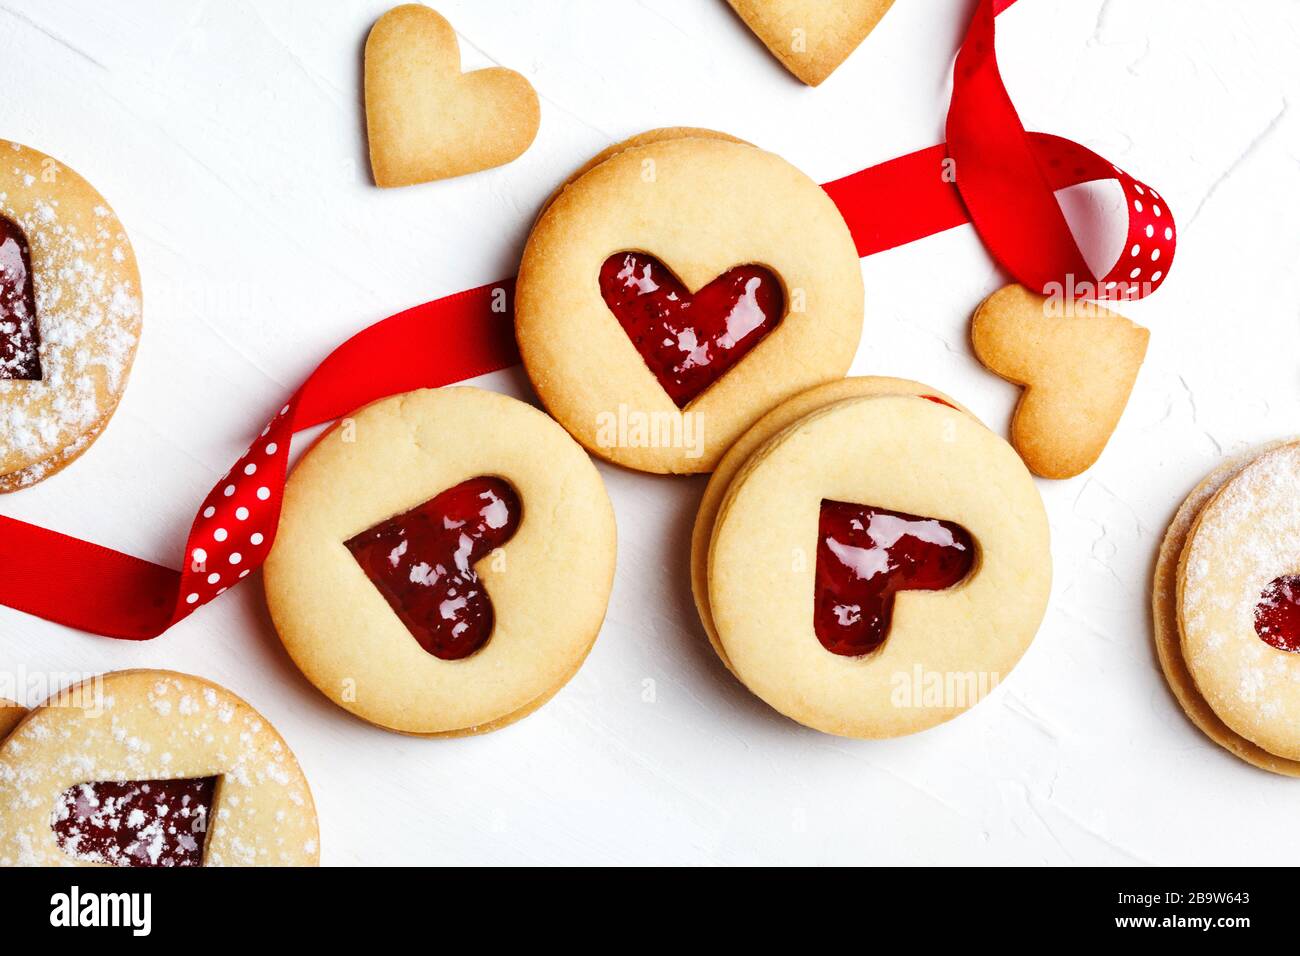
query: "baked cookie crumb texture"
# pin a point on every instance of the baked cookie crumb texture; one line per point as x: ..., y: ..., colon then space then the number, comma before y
x: 69, y: 315
x: 152, y: 769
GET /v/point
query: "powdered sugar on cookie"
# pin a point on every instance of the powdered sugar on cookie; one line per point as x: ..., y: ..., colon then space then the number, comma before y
x: 87, y: 314
x: 1247, y: 536
x: 1263, y: 499
x: 152, y: 769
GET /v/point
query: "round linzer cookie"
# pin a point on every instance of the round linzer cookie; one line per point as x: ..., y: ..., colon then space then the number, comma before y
x: 878, y: 564
x: 69, y: 315
x: 443, y: 562
x: 11, y: 715
x: 775, y: 421
x: 1168, y: 638
x: 1237, y: 608
x: 661, y: 309
x: 152, y: 768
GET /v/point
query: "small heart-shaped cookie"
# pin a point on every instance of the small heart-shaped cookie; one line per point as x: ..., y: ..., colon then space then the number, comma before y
x: 1078, y: 370
x: 425, y: 119
x: 811, y: 38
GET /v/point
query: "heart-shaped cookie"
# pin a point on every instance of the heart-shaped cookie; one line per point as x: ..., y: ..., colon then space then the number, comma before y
x: 1078, y: 369
x: 427, y: 120
x: 811, y: 38
x: 690, y: 340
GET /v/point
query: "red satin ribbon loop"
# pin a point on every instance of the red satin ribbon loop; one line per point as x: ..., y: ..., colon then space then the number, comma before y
x: 1007, y: 180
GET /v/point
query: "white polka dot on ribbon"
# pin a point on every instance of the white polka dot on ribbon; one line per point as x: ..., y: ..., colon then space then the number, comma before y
x: 237, y: 521
x: 1151, y: 240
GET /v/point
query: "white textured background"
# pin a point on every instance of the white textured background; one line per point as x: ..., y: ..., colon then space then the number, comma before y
x: 229, y: 138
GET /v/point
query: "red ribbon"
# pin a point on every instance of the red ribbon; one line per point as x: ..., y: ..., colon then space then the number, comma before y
x: 990, y: 173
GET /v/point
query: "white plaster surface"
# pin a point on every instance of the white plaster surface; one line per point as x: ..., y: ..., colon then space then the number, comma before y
x: 229, y: 138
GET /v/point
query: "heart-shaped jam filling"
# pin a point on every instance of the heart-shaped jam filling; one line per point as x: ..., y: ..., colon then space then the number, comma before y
x: 137, y: 822
x: 1277, y: 615
x: 867, y: 555
x: 690, y: 341
x: 423, y: 561
x: 19, y: 335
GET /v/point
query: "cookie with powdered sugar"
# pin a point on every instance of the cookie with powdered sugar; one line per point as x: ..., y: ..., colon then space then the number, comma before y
x: 1236, y: 603
x: 70, y: 314
x: 152, y: 769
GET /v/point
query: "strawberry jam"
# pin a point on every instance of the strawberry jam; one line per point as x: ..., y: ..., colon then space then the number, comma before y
x: 1277, y: 615
x: 423, y: 561
x: 690, y: 341
x: 867, y: 555
x: 136, y: 823
x: 19, y: 336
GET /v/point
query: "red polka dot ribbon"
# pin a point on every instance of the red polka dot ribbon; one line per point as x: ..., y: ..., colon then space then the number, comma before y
x: 990, y: 173
x: 1007, y: 178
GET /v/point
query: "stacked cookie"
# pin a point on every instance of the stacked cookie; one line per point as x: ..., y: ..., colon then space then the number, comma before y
x: 1226, y: 606
x: 869, y: 559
